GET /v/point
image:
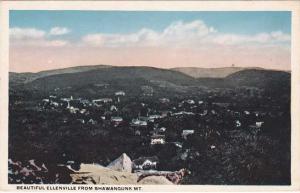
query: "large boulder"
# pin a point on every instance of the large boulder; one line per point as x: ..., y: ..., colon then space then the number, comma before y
x: 96, y: 174
x: 121, y: 164
x: 155, y: 180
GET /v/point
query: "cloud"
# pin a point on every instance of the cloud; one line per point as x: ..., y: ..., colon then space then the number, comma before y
x: 40, y: 43
x: 33, y: 37
x: 179, y: 33
x: 26, y: 33
x: 115, y: 40
x: 261, y: 38
x: 59, y: 31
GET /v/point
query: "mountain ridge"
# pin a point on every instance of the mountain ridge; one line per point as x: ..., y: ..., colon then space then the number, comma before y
x: 194, y: 72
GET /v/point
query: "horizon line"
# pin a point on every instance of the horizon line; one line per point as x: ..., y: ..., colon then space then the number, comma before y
x: 177, y: 67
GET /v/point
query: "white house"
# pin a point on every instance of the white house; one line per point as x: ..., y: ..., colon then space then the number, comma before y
x: 162, y: 129
x: 185, y: 133
x: 164, y: 100
x: 92, y: 121
x: 116, y: 119
x: 153, y: 117
x: 157, y: 141
x: 120, y: 93
x: 102, y: 100
x: 113, y: 108
x: 137, y: 122
x: 259, y: 123
x: 190, y: 101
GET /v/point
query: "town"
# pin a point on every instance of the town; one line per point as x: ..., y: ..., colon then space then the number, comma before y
x: 160, y: 133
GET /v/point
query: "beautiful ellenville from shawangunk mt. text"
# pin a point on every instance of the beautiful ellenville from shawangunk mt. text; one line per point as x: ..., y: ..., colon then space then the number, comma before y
x: 149, y: 97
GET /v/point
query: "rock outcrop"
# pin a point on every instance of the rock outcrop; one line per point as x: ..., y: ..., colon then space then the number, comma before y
x: 96, y: 174
x: 155, y: 180
x: 121, y: 164
x: 118, y: 172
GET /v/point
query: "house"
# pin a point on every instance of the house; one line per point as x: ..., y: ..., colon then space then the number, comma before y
x: 82, y: 111
x: 153, y: 117
x: 55, y: 104
x: 247, y: 112
x: 92, y: 121
x: 256, y: 128
x: 183, y: 113
x: 162, y: 129
x: 46, y: 100
x: 102, y: 100
x: 73, y: 110
x: 158, y: 141
x: 113, y: 108
x: 164, y: 100
x: 85, y: 102
x: 116, y: 120
x: 137, y: 132
x: 259, y: 123
x: 145, y: 163
x: 65, y: 99
x: 120, y: 93
x: 205, y: 112
x: 190, y: 101
x: 138, y: 122
x: 238, y: 123
x: 186, y: 133
x: 177, y: 144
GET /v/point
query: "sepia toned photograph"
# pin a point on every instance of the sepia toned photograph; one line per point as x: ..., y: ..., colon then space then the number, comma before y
x: 153, y: 97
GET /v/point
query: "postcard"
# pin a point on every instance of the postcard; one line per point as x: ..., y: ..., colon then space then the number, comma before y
x: 150, y: 96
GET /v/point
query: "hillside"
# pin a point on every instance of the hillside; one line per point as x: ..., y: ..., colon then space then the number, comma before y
x: 128, y: 78
x: 210, y: 72
x: 89, y: 81
x: 18, y: 78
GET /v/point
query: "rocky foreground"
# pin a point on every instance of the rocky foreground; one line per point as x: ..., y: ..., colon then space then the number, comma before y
x: 118, y: 172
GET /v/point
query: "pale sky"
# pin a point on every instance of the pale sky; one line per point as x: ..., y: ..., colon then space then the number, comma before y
x: 42, y: 40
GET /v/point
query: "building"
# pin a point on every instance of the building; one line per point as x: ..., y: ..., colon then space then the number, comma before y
x: 102, y: 100
x: 153, y: 117
x: 113, y: 108
x: 138, y: 122
x: 116, y: 120
x: 92, y: 121
x: 162, y: 129
x: 158, y: 141
x: 190, y: 101
x: 186, y: 133
x: 145, y: 163
x: 259, y: 124
x: 120, y: 93
x: 164, y: 100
